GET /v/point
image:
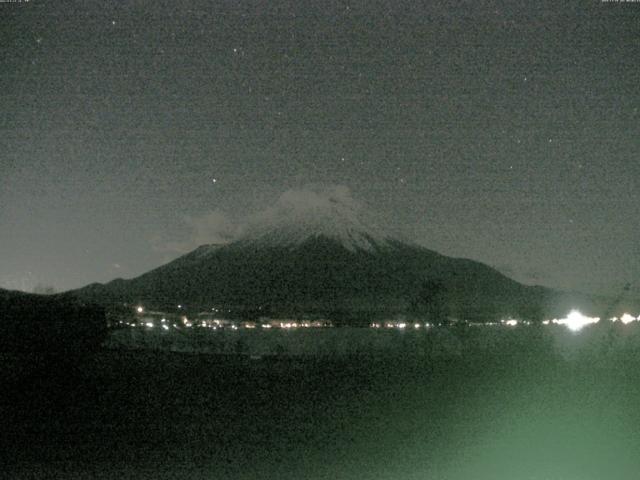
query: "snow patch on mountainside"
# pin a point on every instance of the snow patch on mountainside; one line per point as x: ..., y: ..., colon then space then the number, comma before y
x: 329, y: 212
x: 206, y: 250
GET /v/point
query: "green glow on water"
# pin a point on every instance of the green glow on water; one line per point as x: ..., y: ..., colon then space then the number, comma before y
x: 523, y: 404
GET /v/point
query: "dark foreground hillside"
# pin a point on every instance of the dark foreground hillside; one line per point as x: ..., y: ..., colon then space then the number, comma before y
x: 525, y: 411
x: 50, y: 332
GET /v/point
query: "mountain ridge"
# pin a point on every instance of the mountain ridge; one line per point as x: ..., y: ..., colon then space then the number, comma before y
x: 317, y: 252
x: 321, y: 276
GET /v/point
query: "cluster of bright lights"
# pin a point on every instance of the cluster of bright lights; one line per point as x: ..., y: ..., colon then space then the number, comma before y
x: 289, y: 324
x: 221, y: 324
x: 576, y: 321
x: 485, y: 324
x: 213, y: 323
x: 398, y: 325
x: 626, y: 318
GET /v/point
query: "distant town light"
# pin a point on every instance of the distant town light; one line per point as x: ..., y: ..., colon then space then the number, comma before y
x: 511, y: 322
x: 575, y: 321
x: 165, y: 327
x: 149, y: 324
x: 627, y: 318
x: 140, y: 309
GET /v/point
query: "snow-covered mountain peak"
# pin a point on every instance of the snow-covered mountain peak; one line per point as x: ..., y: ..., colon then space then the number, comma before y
x: 328, y: 212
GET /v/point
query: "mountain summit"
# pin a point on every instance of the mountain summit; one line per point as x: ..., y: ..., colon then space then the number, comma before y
x: 316, y: 253
x: 328, y: 212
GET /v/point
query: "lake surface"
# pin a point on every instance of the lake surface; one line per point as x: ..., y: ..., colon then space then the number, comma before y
x: 529, y: 407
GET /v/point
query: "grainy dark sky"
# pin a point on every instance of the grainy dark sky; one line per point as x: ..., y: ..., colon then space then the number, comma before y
x: 507, y: 132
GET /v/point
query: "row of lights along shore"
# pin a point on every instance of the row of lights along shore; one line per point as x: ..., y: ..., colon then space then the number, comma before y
x: 574, y: 321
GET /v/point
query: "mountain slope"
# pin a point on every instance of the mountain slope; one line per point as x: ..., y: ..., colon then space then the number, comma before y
x: 322, y: 276
x: 317, y: 253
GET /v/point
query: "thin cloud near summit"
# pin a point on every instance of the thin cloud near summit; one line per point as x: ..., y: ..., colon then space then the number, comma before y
x: 292, y: 206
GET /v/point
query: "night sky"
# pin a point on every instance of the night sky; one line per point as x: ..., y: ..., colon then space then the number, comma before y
x: 506, y: 132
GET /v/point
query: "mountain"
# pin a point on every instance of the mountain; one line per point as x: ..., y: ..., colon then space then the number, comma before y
x: 326, y: 259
